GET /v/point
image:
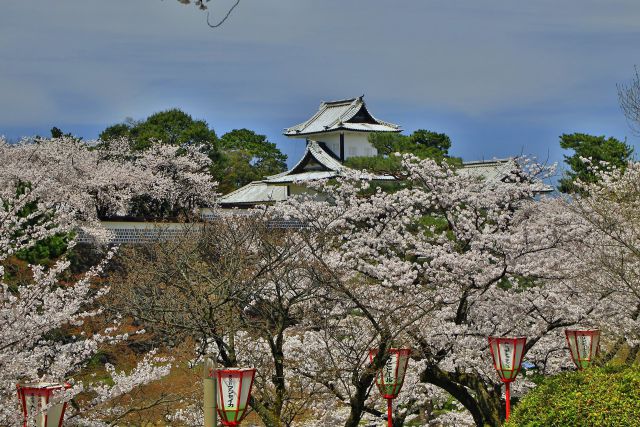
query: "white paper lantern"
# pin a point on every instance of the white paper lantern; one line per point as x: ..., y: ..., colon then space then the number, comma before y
x: 34, y: 397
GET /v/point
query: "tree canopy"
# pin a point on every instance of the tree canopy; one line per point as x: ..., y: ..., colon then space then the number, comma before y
x: 239, y: 157
x: 589, y: 150
x: 173, y: 127
x: 422, y: 267
x: 43, y: 307
x: 422, y: 143
x: 58, y: 133
x: 248, y: 156
x: 110, y: 180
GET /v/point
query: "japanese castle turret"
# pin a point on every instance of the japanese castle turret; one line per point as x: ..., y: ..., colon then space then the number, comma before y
x: 343, y: 127
x: 337, y: 131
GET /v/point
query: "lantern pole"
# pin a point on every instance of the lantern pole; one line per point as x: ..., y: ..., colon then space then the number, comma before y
x: 507, y: 396
x: 390, y: 376
x: 210, y: 390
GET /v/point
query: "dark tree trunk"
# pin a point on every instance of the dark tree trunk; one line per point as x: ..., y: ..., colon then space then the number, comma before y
x: 363, y: 381
x: 362, y: 385
x: 483, y: 403
x: 278, y: 379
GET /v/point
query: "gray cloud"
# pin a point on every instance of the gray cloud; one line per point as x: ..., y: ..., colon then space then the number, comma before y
x: 516, y: 63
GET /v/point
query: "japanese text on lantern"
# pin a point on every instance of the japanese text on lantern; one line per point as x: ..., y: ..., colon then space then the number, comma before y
x: 231, y: 393
x: 389, y: 370
x: 585, y: 345
x: 507, y: 355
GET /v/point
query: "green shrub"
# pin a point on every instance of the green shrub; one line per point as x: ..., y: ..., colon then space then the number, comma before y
x: 376, y: 164
x: 608, y: 396
x: 46, y: 250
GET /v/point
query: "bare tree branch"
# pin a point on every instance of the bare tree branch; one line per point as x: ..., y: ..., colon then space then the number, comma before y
x: 629, y: 98
x: 224, y: 18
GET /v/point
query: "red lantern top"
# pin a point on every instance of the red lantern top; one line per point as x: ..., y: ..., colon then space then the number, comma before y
x: 234, y: 389
x: 583, y: 345
x: 507, y: 356
x: 391, y: 376
x: 34, y: 397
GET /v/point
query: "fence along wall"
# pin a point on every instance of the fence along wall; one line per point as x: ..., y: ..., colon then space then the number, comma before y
x: 131, y: 232
x: 123, y: 232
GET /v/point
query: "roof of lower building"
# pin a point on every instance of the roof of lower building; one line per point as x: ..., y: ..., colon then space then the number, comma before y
x: 317, y: 163
x: 497, y: 170
x: 489, y: 170
x: 315, y: 158
x: 347, y: 114
x: 257, y: 192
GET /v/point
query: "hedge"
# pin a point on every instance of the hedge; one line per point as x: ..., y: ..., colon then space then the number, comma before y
x: 608, y: 396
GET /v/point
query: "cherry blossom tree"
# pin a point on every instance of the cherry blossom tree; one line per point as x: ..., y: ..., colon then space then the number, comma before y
x: 629, y: 99
x: 236, y: 287
x: 437, y: 264
x: 608, y: 250
x: 98, y: 181
x: 31, y: 313
x: 441, y: 264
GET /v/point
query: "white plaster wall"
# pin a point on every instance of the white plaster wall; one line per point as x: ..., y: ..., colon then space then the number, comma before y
x: 332, y: 140
x: 355, y: 143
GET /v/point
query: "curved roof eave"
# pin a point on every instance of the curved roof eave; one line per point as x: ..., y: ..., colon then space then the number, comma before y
x: 332, y: 116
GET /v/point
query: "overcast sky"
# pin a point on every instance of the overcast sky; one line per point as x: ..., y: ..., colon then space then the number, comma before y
x: 500, y: 77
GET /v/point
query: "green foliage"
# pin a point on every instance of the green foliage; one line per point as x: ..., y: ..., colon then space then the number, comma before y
x: 47, y: 250
x: 57, y: 133
x: 422, y: 143
x: 608, y: 396
x: 434, y: 225
x: 377, y: 164
x: 248, y: 156
x: 173, y: 127
x: 428, y: 140
x: 120, y: 130
x: 239, y: 157
x: 384, y: 186
x: 387, y: 143
x: 596, y: 148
